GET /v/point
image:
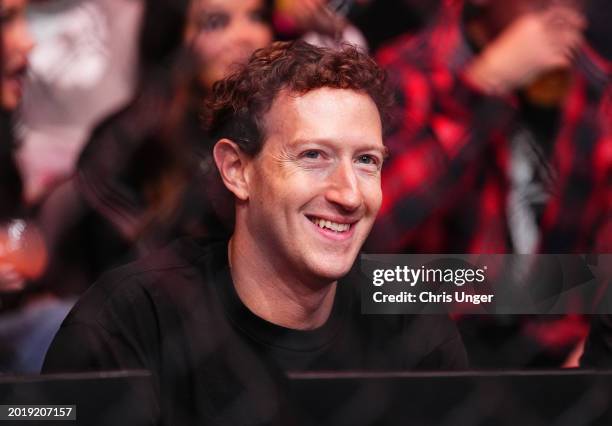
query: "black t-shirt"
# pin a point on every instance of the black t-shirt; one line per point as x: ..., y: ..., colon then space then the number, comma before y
x: 177, y: 314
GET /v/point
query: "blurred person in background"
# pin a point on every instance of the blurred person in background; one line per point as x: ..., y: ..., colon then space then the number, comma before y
x: 142, y: 178
x: 224, y: 34
x: 318, y: 22
x: 501, y: 145
x: 82, y: 69
x: 598, y: 346
x: 364, y: 23
x: 15, y: 44
x: 29, y: 317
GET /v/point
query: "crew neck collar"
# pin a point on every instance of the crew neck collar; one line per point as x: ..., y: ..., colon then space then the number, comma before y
x: 269, y: 333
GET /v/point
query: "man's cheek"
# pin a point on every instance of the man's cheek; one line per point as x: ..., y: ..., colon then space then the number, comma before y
x: 373, y: 196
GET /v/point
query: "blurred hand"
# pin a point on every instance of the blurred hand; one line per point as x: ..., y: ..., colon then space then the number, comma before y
x: 314, y: 15
x: 532, y: 45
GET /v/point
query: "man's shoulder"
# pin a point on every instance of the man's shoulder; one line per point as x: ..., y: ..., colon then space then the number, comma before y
x: 168, y: 276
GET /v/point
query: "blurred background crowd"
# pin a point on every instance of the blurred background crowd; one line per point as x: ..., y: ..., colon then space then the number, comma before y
x: 501, y: 141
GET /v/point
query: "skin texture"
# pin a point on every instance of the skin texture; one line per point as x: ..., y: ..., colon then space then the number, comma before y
x: 321, y: 158
x: 16, y: 45
x: 223, y: 33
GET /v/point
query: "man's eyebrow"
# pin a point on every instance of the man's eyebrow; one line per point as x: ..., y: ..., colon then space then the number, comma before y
x: 382, y: 149
x: 366, y: 147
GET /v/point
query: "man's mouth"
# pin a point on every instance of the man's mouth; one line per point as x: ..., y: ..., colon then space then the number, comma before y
x: 330, y: 225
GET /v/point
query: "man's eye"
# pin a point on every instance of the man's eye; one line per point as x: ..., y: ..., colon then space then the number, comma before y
x: 311, y: 154
x: 367, y: 159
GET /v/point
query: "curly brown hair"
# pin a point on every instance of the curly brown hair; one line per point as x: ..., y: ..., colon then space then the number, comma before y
x: 238, y: 103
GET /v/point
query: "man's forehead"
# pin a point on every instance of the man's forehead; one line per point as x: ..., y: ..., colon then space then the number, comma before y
x: 339, y: 119
x: 289, y: 106
x: 363, y: 145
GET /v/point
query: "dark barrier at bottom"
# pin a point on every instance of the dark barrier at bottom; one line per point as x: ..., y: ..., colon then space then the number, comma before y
x: 88, y: 399
x: 561, y: 398
x: 534, y: 398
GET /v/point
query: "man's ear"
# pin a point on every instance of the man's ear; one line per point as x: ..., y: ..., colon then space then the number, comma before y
x: 231, y: 162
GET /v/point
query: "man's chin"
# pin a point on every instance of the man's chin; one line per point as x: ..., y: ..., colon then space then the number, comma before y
x: 330, y: 273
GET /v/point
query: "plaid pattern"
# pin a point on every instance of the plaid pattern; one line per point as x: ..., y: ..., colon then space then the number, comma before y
x: 445, y: 183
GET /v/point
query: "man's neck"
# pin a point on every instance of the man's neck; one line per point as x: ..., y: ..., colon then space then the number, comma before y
x: 276, y: 294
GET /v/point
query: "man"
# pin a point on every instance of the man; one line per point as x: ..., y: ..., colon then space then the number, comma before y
x: 503, y: 140
x: 503, y: 146
x: 299, y: 133
x: 28, y: 317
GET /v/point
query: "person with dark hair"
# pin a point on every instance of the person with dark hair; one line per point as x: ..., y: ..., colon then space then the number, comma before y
x: 225, y: 33
x: 299, y: 145
x: 143, y: 178
x: 15, y: 45
x: 501, y: 146
x: 28, y: 316
x: 502, y: 109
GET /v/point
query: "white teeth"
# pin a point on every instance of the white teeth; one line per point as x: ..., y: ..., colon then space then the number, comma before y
x: 338, y: 227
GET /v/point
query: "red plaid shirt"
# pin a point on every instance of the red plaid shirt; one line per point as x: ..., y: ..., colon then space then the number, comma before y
x: 445, y: 184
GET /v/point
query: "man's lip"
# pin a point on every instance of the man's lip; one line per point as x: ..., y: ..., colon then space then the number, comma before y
x: 333, y: 235
x: 335, y: 219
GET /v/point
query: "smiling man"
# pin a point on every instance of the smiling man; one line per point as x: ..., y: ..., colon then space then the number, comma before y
x: 305, y: 203
x: 299, y: 147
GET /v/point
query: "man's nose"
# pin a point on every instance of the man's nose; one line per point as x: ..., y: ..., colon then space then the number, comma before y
x: 343, y: 188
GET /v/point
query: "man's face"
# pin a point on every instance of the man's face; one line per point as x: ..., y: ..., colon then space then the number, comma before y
x: 314, y: 189
x: 16, y: 44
